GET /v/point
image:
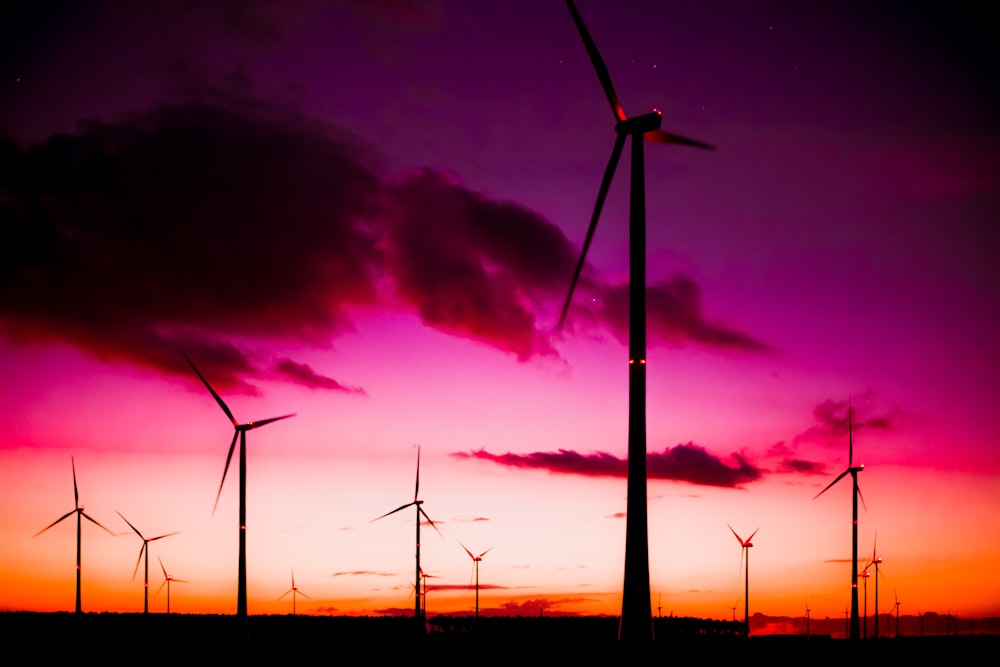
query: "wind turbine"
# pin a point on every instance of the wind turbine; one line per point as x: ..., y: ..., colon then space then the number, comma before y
x: 896, y: 595
x: 876, y: 561
x: 475, y: 566
x: 807, y: 618
x: 416, y: 502
x: 745, y: 547
x: 80, y: 514
x: 636, y: 618
x: 853, y: 470
x: 734, y: 606
x: 167, y: 578
x: 294, y: 590
x: 144, y: 549
x: 240, y: 431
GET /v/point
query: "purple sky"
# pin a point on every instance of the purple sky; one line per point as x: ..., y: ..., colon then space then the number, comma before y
x: 377, y: 208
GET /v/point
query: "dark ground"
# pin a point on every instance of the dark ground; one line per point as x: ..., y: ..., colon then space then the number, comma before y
x: 113, y: 638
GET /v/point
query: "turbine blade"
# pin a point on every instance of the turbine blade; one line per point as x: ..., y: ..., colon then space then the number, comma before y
x: 54, y: 522
x: 160, y: 537
x: 416, y: 488
x: 160, y: 588
x: 485, y: 552
x: 850, y: 432
x: 163, y: 567
x: 130, y: 525
x: 862, y: 499
x: 401, y: 507
x: 285, y: 593
x: 751, y: 535
x: 97, y: 523
x: 302, y: 594
x: 76, y: 493
x: 433, y: 525
x: 141, y: 550
x: 468, y: 552
x: 839, y: 477
x: 663, y: 137
x: 599, y: 66
x: 218, y: 399
x: 229, y: 458
x: 738, y: 538
x: 264, y: 422
x: 609, y: 173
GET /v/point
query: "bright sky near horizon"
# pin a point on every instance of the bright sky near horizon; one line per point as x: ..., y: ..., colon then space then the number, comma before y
x: 368, y: 215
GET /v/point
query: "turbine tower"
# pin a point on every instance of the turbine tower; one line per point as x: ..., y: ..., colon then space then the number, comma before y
x: 853, y: 470
x: 80, y: 515
x: 416, y: 502
x: 240, y: 431
x: 636, y: 618
x: 745, y: 548
x: 144, y: 549
x: 475, y: 565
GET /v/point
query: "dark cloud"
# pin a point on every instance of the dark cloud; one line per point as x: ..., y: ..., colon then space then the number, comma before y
x: 837, y: 421
x: 462, y: 262
x: 187, y: 226
x: 673, y: 315
x: 683, y: 463
x: 306, y: 376
x: 201, y: 226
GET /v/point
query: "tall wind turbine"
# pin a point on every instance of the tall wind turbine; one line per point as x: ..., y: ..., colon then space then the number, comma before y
x: 475, y: 565
x: 745, y: 548
x: 416, y: 502
x: 853, y: 470
x: 636, y: 619
x: 240, y: 431
x: 294, y: 590
x: 167, y: 578
x: 80, y: 514
x: 144, y: 549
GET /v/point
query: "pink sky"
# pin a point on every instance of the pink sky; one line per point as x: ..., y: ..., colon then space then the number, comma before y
x: 370, y: 218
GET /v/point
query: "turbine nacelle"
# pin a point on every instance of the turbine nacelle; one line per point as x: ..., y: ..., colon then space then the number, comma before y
x: 649, y: 122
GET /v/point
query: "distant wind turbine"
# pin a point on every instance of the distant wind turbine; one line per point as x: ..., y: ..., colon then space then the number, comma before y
x: 745, y: 548
x: 636, y: 617
x: 856, y: 495
x: 896, y: 607
x: 475, y: 566
x: 876, y: 560
x: 167, y: 578
x: 416, y: 502
x: 294, y: 590
x: 80, y: 514
x: 143, y: 550
x: 240, y: 431
x: 807, y: 617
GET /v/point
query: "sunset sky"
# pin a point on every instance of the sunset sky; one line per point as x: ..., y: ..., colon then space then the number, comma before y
x: 368, y: 214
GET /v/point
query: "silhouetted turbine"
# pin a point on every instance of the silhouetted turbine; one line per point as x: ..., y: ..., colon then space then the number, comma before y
x: 636, y: 618
x: 876, y: 560
x: 294, y: 590
x: 745, y: 548
x: 167, y: 578
x: 475, y: 565
x: 240, y: 431
x: 144, y: 549
x: 80, y: 514
x: 416, y: 502
x: 856, y: 495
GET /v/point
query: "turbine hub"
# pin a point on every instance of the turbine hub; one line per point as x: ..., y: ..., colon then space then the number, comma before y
x: 639, y: 125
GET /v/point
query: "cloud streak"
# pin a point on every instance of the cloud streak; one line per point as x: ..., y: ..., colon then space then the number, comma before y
x: 682, y: 463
